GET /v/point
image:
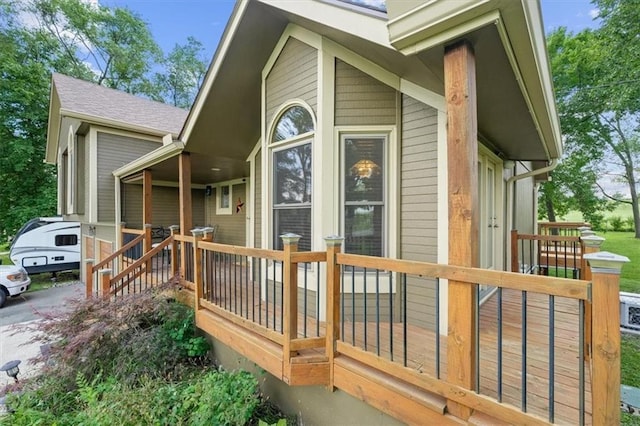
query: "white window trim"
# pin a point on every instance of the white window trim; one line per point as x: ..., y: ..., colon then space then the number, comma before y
x: 220, y: 209
x: 268, y: 167
x: 391, y: 166
x: 70, y: 184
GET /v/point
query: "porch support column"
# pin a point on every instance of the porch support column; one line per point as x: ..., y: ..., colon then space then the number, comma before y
x: 184, y: 165
x: 462, y: 157
x: 590, y: 244
x: 605, y: 365
x: 147, y: 208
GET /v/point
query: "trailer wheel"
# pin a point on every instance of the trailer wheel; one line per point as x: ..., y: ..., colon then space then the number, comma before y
x: 3, y: 296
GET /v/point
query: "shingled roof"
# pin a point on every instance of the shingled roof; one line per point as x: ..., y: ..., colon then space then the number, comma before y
x: 103, y: 103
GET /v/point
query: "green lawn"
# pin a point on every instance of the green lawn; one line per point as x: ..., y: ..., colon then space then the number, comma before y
x: 625, y: 244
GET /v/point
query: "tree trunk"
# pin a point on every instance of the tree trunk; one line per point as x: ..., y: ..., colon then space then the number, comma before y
x: 551, y: 213
x: 634, y: 207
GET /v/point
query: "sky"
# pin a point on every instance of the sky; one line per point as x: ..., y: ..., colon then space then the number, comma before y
x: 172, y: 21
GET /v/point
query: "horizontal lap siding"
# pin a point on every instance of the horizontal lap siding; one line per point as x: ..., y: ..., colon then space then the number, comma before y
x: 231, y: 227
x: 524, y: 195
x: 114, y: 151
x: 197, y: 206
x: 293, y: 76
x: 131, y: 196
x: 419, y: 196
x: 361, y: 99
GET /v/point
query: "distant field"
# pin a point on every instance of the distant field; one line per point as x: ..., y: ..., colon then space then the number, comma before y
x: 622, y: 210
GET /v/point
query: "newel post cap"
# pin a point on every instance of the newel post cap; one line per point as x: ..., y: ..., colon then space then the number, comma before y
x: 148, y: 225
x: 587, y: 233
x: 174, y: 228
x: 198, y: 232
x: 604, y: 262
x: 290, y: 238
x: 333, y: 240
x: 89, y: 261
x: 581, y: 229
x: 105, y: 271
x: 592, y: 241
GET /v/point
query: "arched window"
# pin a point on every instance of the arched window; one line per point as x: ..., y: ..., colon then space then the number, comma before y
x: 291, y: 165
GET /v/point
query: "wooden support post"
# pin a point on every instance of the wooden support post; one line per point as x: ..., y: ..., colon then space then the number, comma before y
x: 515, y: 265
x: 462, y: 158
x: 174, y: 250
x: 147, y: 205
x: 590, y: 244
x: 186, y: 215
x: 605, y: 379
x: 290, y: 295
x: 120, y: 260
x: 88, y: 270
x: 208, y: 234
x: 334, y: 244
x: 105, y: 282
x: 197, y: 267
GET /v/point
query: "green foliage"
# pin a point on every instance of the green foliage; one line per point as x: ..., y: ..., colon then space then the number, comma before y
x: 128, y: 362
x: 595, y: 74
x: 111, y: 46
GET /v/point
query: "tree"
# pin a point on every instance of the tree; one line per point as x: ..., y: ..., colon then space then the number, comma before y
x: 596, y: 76
x: 109, y: 46
x: 184, y: 69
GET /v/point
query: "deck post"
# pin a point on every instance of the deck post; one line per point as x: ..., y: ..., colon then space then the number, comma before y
x: 88, y: 281
x: 198, y: 234
x: 174, y: 250
x: 186, y: 215
x: 515, y: 266
x: 147, y: 208
x: 605, y: 380
x: 208, y: 234
x: 120, y: 260
x: 105, y: 282
x: 590, y: 244
x: 147, y: 243
x: 290, y: 287
x: 462, y: 166
x: 334, y: 245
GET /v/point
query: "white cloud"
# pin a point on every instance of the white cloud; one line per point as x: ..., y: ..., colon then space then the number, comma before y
x: 594, y: 13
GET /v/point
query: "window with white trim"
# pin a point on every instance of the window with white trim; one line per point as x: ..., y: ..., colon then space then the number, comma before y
x: 364, y: 177
x: 223, y: 199
x: 291, y: 171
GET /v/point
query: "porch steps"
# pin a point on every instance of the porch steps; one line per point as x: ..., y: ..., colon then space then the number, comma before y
x: 391, y: 395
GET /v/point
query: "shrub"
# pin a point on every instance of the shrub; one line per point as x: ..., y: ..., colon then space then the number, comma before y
x: 616, y: 223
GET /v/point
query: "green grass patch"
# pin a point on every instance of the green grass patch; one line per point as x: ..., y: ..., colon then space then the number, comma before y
x: 624, y: 243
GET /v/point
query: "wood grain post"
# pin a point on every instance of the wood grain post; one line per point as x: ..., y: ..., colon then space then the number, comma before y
x: 334, y: 245
x: 186, y: 215
x: 88, y: 281
x: 515, y: 265
x: 147, y: 243
x: 120, y: 260
x: 590, y: 244
x: 290, y: 295
x: 105, y: 282
x: 147, y: 199
x: 462, y: 158
x: 174, y: 250
x: 198, y: 234
x: 605, y: 379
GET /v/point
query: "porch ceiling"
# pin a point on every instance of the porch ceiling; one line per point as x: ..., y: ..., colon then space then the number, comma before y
x: 201, y: 169
x: 229, y: 122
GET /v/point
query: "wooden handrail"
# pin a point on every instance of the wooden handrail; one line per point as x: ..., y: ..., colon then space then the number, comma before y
x: 132, y: 231
x: 147, y: 256
x: 552, y: 238
x: 118, y: 252
x: 564, y: 287
x: 242, y: 251
x: 183, y: 238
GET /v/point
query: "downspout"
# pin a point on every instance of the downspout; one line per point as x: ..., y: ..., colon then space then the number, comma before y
x: 510, y: 210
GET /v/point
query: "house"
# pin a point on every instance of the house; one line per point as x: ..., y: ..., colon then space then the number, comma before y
x: 92, y: 131
x: 416, y: 132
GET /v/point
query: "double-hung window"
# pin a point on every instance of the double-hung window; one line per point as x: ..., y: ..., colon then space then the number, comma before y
x: 291, y: 176
x: 364, y: 177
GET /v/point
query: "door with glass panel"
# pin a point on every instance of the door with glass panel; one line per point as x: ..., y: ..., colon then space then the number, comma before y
x: 489, y: 227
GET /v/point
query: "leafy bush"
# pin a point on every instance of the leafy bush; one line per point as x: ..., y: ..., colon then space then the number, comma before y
x: 615, y: 223
x: 135, y: 360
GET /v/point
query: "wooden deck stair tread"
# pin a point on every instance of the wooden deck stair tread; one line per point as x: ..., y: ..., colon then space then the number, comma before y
x: 482, y: 419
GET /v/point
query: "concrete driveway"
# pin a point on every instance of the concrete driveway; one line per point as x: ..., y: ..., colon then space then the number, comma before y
x: 23, y: 311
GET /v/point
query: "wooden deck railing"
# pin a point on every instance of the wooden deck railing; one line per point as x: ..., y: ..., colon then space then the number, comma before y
x: 565, y: 229
x: 546, y: 254
x: 372, y: 340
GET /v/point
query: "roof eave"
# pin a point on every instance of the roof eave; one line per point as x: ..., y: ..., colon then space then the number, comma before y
x: 156, y: 156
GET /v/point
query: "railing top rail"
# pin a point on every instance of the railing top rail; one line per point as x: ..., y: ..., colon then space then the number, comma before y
x: 183, y: 238
x: 309, y: 256
x: 242, y: 251
x: 553, y: 238
x: 118, y: 252
x: 132, y: 231
x: 562, y: 287
x: 562, y: 224
x: 148, y: 255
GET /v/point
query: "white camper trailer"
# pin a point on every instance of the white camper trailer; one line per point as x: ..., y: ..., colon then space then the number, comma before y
x: 47, y: 244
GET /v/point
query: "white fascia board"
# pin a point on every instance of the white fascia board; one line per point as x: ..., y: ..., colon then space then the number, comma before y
x: 214, y: 68
x: 361, y: 25
x: 539, y: 46
x: 53, y: 128
x: 156, y: 156
x: 100, y: 121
